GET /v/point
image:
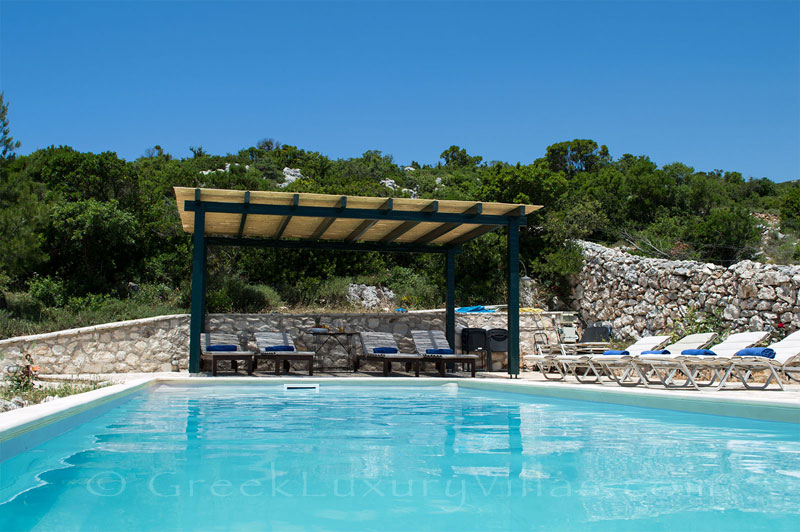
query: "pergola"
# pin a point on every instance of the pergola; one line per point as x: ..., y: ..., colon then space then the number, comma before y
x: 351, y: 223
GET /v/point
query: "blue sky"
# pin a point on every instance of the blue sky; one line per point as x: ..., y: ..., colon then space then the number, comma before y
x: 710, y: 84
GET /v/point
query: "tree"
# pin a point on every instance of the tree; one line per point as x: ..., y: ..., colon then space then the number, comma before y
x: 455, y: 157
x: 7, y: 142
x: 790, y: 209
x: 93, y: 244
x: 20, y: 210
x: 198, y: 151
x: 725, y: 235
x: 575, y: 156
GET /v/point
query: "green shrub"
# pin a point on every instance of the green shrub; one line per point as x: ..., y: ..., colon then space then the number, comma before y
x: 332, y: 293
x: 50, y: 291
x: 413, y: 290
x: 696, y: 321
x: 22, y: 305
x: 235, y: 295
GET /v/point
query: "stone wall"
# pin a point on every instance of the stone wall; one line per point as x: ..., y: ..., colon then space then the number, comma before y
x: 638, y: 296
x: 152, y: 344
x: 146, y: 345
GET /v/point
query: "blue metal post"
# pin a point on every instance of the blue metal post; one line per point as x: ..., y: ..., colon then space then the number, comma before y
x: 513, y: 298
x: 197, y: 323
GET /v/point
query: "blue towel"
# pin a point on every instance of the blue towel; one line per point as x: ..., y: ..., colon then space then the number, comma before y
x: 616, y: 352
x: 766, y: 352
x: 699, y: 352
x: 656, y: 352
x: 279, y: 348
x: 476, y: 308
x: 222, y: 347
x: 381, y: 350
x: 439, y: 351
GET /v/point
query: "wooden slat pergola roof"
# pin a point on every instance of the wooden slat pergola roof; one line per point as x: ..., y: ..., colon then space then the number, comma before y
x: 312, y: 217
x: 322, y: 221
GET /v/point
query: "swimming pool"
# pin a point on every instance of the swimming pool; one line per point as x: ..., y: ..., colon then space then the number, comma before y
x: 400, y: 458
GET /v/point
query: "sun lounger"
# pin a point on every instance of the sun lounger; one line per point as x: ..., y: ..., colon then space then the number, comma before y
x: 224, y: 346
x: 786, y: 360
x: 279, y: 346
x: 690, y: 362
x: 611, y: 363
x: 590, y: 368
x: 434, y: 347
x: 382, y: 347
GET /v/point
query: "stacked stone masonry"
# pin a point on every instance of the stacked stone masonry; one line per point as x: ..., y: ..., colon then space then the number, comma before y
x: 639, y: 296
x: 152, y: 344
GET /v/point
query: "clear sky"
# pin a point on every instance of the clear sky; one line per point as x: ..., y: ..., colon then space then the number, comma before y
x: 710, y: 84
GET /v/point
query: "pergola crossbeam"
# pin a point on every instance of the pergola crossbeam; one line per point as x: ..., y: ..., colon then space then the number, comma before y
x: 436, y: 233
x: 327, y: 222
x: 288, y: 217
x: 244, y: 214
x: 366, y: 225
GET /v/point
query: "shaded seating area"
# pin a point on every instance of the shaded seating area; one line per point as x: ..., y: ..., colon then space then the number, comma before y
x: 433, y: 346
x: 381, y: 347
x: 217, y: 347
x: 286, y: 220
x: 279, y: 347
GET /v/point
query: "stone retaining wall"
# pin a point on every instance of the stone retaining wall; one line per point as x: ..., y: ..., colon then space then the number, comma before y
x: 637, y: 296
x: 148, y: 344
x: 152, y: 344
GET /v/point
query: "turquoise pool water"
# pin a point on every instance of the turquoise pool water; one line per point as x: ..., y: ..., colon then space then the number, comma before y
x: 256, y: 457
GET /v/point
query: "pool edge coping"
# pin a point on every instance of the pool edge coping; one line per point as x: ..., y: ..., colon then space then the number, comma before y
x: 18, y: 422
x: 22, y: 420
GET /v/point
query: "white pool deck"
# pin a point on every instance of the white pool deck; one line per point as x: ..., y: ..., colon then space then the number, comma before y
x: 771, y: 405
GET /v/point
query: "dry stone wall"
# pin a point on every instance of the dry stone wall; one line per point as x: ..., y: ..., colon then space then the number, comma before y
x: 146, y: 345
x: 638, y: 296
x: 162, y: 343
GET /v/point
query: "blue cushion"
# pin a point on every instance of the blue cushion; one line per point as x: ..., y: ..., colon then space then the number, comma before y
x: 439, y: 351
x: 699, y: 352
x: 616, y: 352
x: 382, y: 350
x: 656, y: 352
x: 766, y: 352
x: 279, y: 348
x: 222, y: 347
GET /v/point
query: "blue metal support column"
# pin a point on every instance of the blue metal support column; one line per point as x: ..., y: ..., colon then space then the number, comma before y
x: 450, y: 315
x: 197, y: 323
x: 513, y: 299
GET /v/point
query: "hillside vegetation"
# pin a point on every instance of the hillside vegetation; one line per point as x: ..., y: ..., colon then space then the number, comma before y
x: 88, y: 237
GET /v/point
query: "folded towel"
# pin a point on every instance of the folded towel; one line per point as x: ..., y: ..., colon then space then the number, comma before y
x: 439, y: 351
x: 656, y: 352
x: 699, y: 352
x: 766, y: 352
x: 279, y: 348
x: 222, y: 347
x: 616, y: 352
x: 382, y: 350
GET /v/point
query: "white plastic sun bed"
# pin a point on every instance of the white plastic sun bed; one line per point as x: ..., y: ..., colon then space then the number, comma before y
x: 786, y: 361
x: 590, y: 367
x: 665, y: 367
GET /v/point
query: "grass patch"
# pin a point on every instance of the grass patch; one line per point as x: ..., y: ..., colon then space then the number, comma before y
x: 41, y: 390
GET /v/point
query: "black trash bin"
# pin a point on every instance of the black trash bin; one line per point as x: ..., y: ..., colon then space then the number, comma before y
x: 497, y: 340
